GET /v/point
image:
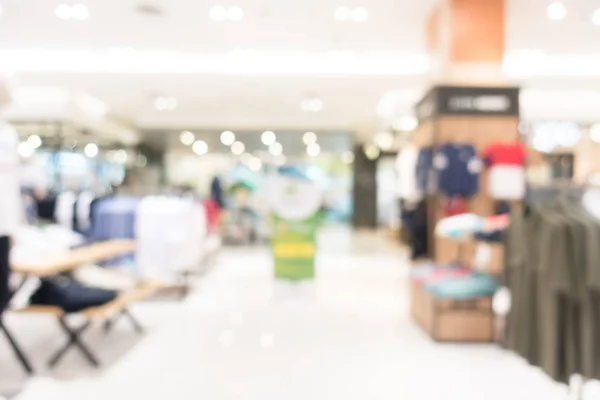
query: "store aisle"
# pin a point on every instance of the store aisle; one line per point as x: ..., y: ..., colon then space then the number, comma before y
x: 346, y: 336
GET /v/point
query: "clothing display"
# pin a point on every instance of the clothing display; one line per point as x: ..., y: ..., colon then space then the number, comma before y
x: 457, y: 166
x: 70, y: 295
x: 552, y: 271
x: 11, y: 208
x: 506, y: 179
x: 424, y: 173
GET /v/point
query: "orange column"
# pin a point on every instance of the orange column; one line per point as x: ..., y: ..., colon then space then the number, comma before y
x: 466, y: 39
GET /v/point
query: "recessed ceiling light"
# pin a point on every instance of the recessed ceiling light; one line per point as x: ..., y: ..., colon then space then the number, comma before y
x: 385, y: 140
x: 596, y: 17
x: 235, y: 13
x: 34, y: 141
x: 405, y: 124
x: 557, y: 11
x: 255, y: 164
x: 276, y: 149
x: 309, y: 138
x: 342, y: 13
x: 360, y: 14
x: 238, y: 148
x: 63, y: 11
x: 187, y: 138
x: 200, y: 147
x: 227, y: 138
x: 25, y: 150
x: 595, y: 133
x: 268, y: 138
x: 218, y: 13
x: 120, y: 156
x: 91, y: 150
x: 313, y: 149
x: 371, y: 151
x: 80, y: 12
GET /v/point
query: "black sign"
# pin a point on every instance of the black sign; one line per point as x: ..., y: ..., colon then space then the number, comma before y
x: 461, y: 100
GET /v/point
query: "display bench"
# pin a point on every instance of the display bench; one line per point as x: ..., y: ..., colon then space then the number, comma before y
x: 67, y: 262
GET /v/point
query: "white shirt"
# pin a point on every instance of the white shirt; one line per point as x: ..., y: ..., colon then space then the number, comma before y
x: 11, y: 207
x: 406, y: 166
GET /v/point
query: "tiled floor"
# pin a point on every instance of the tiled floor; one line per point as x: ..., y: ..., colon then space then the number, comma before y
x: 241, y: 335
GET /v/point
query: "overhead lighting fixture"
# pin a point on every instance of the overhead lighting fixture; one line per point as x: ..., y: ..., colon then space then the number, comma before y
x: 342, y: 13
x: 371, y: 151
x: 312, y: 105
x: 595, y: 133
x: 120, y: 156
x: 165, y: 103
x: 200, y: 147
x: 227, y: 138
x: 384, y: 140
x: 34, y: 141
x: 255, y: 164
x: 187, y: 138
x: 309, y: 138
x: 91, y: 150
x: 238, y: 148
x: 360, y: 14
x: 276, y: 149
x: 596, y: 17
x: 268, y: 138
x: 25, y: 150
x: 557, y: 11
x: 347, y: 157
x: 313, y: 149
x: 77, y: 12
x: 405, y: 124
x: 235, y: 14
x: 218, y: 13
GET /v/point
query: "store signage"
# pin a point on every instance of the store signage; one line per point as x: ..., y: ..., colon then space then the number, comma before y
x: 296, y: 218
x: 460, y: 100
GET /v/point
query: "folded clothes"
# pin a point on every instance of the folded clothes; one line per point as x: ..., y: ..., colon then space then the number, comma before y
x: 471, y: 286
x: 70, y: 295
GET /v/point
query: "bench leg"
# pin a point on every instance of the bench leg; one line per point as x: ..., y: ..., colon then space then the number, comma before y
x: 74, y: 340
x: 18, y: 352
x: 109, y: 323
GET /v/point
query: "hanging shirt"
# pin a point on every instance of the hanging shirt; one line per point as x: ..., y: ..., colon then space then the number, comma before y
x: 11, y: 207
x: 424, y: 170
x: 457, y: 167
x: 506, y: 178
x: 406, y: 166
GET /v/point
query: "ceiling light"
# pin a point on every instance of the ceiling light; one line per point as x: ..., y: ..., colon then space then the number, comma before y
x: 557, y: 11
x: 595, y: 133
x: 405, y: 124
x: 235, y: 14
x: 312, y: 105
x: 91, y: 150
x: 371, y: 151
x: 187, y: 138
x: 120, y: 156
x: 63, y: 11
x: 25, y: 150
x: 238, y: 148
x: 218, y: 13
x: 347, y: 157
x: 34, y: 141
x: 227, y: 138
x: 80, y: 12
x: 342, y: 13
x: 255, y: 164
x: 276, y: 149
x: 200, y: 147
x: 360, y: 14
x: 313, y: 149
x: 268, y: 138
x: 165, y: 103
x: 309, y: 138
x: 596, y: 17
x: 384, y: 140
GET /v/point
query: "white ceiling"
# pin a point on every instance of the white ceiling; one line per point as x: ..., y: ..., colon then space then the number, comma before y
x: 259, y: 101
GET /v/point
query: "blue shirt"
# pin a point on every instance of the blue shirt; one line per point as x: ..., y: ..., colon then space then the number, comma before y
x: 457, y: 167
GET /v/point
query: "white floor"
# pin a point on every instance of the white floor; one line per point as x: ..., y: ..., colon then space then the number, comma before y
x: 242, y: 335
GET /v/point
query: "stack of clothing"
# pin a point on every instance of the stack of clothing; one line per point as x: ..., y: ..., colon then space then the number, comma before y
x: 453, y: 282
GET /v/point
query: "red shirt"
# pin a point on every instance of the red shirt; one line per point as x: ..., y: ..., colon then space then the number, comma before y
x: 505, y: 154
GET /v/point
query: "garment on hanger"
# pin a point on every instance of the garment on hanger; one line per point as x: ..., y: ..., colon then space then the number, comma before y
x: 457, y: 166
x: 64, y: 212
x: 506, y: 178
x: 425, y: 172
x: 406, y: 169
x: 82, y: 211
